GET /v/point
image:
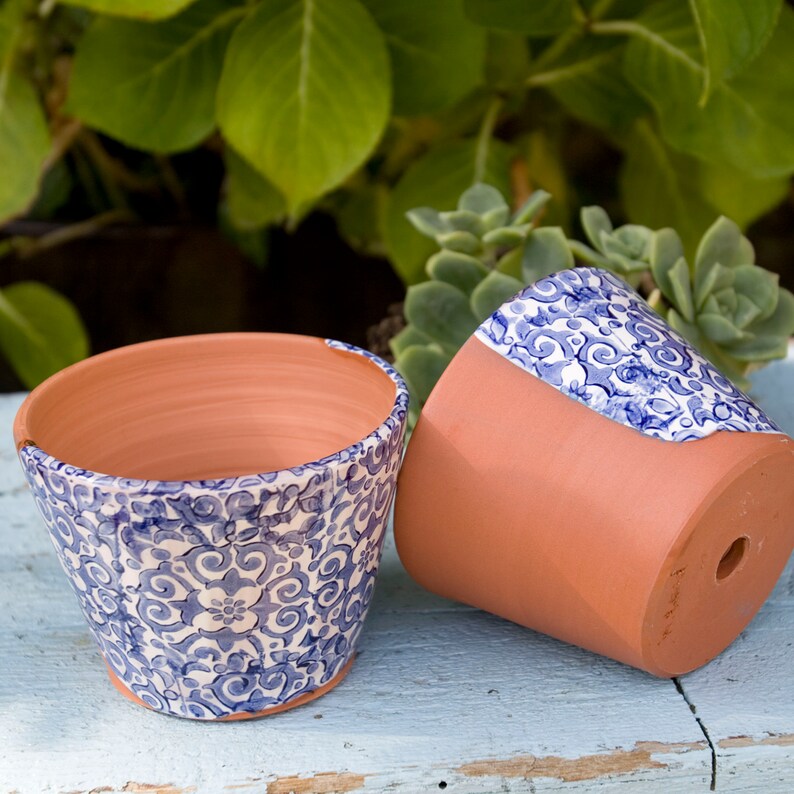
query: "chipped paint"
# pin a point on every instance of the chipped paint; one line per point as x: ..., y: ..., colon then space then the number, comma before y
x: 321, y: 783
x: 586, y: 767
x: 156, y: 788
x: 778, y: 740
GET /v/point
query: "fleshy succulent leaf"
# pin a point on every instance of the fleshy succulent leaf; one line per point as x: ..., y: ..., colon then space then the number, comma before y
x: 759, y: 286
x: 460, y: 270
x: 441, y: 311
x: 463, y: 221
x: 594, y: 221
x: 719, y: 328
x: 719, y: 244
x: 716, y: 279
x: 492, y: 292
x: 587, y: 254
x: 681, y: 286
x: 781, y: 321
x: 531, y: 207
x: 665, y: 250
x: 546, y: 251
x: 422, y: 366
x: 427, y: 221
x: 463, y: 242
x: 481, y: 198
x: 407, y: 337
x: 507, y: 236
x: 495, y: 218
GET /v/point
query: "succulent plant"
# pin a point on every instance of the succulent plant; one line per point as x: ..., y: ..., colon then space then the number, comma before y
x: 487, y: 255
x: 733, y: 311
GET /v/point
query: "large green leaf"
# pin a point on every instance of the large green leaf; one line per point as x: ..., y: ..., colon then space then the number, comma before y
x: 437, y: 53
x: 747, y: 123
x: 139, y: 9
x: 661, y: 187
x: 589, y: 82
x: 437, y: 180
x: 732, y: 33
x: 152, y: 84
x: 24, y: 143
x: 305, y: 93
x: 40, y: 331
x: 534, y: 17
x: 24, y: 137
x: 253, y: 201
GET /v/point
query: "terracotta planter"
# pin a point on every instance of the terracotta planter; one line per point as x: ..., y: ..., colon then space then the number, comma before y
x: 580, y: 469
x: 218, y: 503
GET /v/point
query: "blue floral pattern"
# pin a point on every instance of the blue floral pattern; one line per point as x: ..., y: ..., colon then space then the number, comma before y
x: 591, y: 336
x: 221, y: 597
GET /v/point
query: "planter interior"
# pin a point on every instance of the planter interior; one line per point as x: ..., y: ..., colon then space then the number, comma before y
x: 204, y: 407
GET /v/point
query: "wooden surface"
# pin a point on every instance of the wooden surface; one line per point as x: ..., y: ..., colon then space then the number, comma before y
x: 442, y: 697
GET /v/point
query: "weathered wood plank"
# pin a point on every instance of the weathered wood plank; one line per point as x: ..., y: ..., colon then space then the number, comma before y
x: 745, y: 698
x: 441, y: 694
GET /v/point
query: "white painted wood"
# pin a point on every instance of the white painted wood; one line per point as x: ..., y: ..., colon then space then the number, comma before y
x: 745, y: 698
x: 440, y: 693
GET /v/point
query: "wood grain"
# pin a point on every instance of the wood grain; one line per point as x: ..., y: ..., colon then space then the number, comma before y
x: 442, y: 697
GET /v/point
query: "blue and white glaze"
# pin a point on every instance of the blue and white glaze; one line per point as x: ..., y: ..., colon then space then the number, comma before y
x: 222, y: 597
x: 591, y: 336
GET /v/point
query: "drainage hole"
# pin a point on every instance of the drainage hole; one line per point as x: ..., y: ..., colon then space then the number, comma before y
x: 734, y: 554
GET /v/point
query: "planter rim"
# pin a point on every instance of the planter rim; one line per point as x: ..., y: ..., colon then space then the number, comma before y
x: 384, y: 430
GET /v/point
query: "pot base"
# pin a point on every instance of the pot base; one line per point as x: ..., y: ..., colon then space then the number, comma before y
x: 246, y: 715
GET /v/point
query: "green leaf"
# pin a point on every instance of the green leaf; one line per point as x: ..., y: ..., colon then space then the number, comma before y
x: 253, y: 201
x: 759, y: 286
x: 719, y: 245
x: 506, y: 61
x: 422, y: 366
x: 461, y: 271
x: 437, y: 180
x: 680, y: 283
x: 481, y: 199
x: 152, y: 85
x: 748, y: 121
x: 437, y: 53
x: 719, y: 329
x: 596, y: 225
x: 427, y: 221
x: 40, y: 331
x: 534, y: 17
x: 463, y: 242
x: 494, y: 290
x: 139, y: 9
x: 760, y: 348
x: 441, y: 311
x: 505, y: 236
x: 305, y: 93
x: 781, y: 323
x: 546, y: 251
x: 24, y: 143
x: 588, y: 81
x: 24, y: 137
x: 531, y: 207
x: 741, y: 197
x: 732, y: 33
x: 408, y: 337
x: 463, y: 221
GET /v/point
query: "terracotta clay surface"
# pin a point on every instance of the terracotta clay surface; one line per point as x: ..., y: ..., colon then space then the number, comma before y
x: 519, y: 500
x: 209, y: 406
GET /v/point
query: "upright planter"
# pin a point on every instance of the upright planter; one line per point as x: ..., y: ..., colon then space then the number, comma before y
x: 218, y: 504
x: 582, y: 470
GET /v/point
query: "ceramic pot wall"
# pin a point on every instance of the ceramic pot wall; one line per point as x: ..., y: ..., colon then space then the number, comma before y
x: 218, y: 504
x: 582, y: 470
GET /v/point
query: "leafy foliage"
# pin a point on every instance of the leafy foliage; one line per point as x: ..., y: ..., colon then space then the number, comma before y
x: 733, y: 311
x: 366, y: 108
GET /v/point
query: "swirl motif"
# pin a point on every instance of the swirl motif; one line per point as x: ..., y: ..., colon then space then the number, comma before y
x: 221, y: 597
x: 592, y: 337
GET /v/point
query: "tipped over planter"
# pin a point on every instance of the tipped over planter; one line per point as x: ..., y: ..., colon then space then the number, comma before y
x: 218, y: 504
x: 582, y: 470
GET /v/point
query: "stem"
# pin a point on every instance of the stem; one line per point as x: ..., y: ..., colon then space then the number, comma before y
x: 484, y: 138
x: 617, y: 27
x: 74, y: 231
